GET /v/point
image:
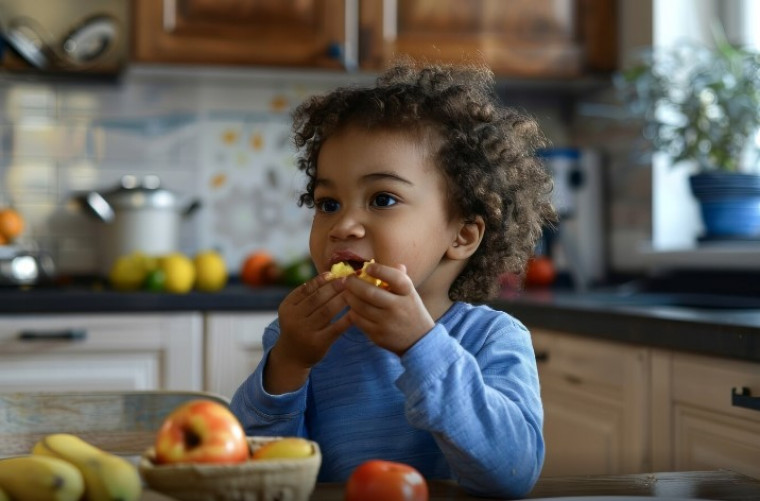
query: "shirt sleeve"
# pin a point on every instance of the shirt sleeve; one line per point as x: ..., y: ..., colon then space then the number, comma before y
x: 483, y: 408
x: 262, y: 413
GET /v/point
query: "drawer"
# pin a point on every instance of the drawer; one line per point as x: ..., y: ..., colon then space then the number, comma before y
x: 707, y: 382
x: 576, y: 359
x: 101, y: 352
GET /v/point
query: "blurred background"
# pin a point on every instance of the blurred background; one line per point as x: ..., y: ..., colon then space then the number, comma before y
x: 198, y: 93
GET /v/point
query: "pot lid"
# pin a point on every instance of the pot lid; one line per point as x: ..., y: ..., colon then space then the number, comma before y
x: 135, y: 194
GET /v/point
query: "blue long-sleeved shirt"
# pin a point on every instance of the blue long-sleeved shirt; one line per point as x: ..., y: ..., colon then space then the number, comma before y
x: 462, y: 403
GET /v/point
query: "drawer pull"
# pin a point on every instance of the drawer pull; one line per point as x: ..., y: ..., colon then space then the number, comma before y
x: 742, y: 397
x: 54, y: 335
x: 542, y: 356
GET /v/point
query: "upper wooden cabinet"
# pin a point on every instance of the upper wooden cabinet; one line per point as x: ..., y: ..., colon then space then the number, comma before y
x: 522, y: 38
x: 304, y: 33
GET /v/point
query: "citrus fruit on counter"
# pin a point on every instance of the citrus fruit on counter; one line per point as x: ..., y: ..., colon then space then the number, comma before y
x: 180, y: 273
x: 298, y: 272
x: 210, y: 271
x: 11, y: 224
x: 155, y: 280
x: 127, y: 273
x: 259, y: 268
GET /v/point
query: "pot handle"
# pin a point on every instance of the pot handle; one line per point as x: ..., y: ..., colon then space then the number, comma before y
x: 98, y: 206
x: 194, y: 206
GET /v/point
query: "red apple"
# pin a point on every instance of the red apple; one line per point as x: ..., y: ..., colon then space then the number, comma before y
x: 377, y: 480
x: 201, y: 431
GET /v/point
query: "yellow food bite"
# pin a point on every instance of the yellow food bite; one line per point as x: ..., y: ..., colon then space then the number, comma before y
x: 343, y: 269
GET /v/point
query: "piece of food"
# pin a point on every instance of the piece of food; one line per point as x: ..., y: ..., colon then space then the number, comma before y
x: 259, y: 268
x: 344, y: 269
x: 210, y: 271
x: 11, y: 224
x: 201, y: 431
x: 40, y: 478
x: 284, y: 448
x: 377, y: 480
x: 180, y: 272
x: 106, y: 476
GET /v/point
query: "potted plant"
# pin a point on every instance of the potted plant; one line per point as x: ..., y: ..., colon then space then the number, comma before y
x: 702, y: 105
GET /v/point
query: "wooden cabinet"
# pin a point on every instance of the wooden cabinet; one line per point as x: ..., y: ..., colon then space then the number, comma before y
x: 300, y: 33
x: 595, y: 397
x: 100, y: 352
x: 233, y: 348
x: 524, y: 38
x: 698, y: 423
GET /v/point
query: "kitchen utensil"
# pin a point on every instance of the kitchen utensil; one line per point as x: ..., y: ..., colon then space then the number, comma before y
x: 139, y: 216
x: 24, y: 267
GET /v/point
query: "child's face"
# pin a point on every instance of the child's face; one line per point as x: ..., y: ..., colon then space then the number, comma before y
x: 379, y: 195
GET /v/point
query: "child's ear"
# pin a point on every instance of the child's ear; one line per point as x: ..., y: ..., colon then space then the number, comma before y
x: 467, y: 239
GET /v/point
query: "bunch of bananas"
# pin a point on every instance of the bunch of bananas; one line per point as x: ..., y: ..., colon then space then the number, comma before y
x: 63, y: 467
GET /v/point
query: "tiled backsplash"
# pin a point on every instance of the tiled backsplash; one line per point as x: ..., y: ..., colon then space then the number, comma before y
x: 223, y: 138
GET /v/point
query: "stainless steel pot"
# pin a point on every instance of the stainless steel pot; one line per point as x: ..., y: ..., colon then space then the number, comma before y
x: 138, y: 216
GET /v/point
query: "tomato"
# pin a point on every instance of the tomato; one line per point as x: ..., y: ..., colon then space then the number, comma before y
x: 540, y: 272
x: 378, y: 480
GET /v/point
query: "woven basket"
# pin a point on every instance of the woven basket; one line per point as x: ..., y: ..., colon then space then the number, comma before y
x: 281, y: 479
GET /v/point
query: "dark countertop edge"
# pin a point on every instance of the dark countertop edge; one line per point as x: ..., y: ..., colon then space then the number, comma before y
x: 656, y: 328
x: 237, y: 299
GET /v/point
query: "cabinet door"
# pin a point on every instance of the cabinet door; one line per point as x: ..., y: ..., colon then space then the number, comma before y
x: 100, y: 352
x: 709, y: 432
x: 595, y: 405
x: 233, y: 348
x: 529, y: 38
x: 264, y: 32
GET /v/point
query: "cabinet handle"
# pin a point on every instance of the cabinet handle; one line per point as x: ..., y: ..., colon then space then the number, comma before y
x: 542, y: 356
x: 61, y: 335
x: 742, y: 397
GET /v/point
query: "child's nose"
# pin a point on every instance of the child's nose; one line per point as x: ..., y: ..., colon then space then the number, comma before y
x: 348, y: 225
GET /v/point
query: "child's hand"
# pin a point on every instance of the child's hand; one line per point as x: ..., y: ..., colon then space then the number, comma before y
x: 305, y: 329
x: 394, y: 317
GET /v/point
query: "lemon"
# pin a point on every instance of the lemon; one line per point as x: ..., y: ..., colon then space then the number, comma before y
x: 179, y: 272
x: 210, y: 271
x: 127, y: 273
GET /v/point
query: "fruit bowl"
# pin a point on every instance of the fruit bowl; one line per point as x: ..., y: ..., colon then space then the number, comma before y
x: 282, y: 479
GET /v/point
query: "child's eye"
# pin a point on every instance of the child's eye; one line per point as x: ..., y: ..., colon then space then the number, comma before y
x: 384, y: 200
x: 327, y: 205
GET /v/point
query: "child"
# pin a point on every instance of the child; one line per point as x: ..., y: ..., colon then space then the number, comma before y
x: 428, y: 176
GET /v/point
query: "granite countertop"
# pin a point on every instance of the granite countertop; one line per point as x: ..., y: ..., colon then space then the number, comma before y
x: 661, y: 322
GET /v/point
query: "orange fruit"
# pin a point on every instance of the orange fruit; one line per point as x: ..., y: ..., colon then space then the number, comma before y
x: 259, y: 268
x: 11, y: 223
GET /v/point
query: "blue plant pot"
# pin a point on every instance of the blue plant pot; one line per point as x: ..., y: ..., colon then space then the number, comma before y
x: 730, y: 204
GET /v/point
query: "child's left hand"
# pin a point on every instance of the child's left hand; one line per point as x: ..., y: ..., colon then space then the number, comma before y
x: 393, y: 317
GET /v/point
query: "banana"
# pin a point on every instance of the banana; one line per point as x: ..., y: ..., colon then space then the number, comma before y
x: 40, y: 478
x: 107, y: 477
x: 4, y: 496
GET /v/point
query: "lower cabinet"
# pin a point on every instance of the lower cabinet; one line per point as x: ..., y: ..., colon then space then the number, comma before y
x: 614, y: 408
x: 100, y: 352
x: 233, y: 348
x: 595, y: 397
x: 699, y: 423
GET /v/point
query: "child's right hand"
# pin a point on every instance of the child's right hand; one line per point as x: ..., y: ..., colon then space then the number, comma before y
x: 306, y: 331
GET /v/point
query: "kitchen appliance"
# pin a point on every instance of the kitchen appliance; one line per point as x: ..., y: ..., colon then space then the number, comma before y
x: 577, y: 245
x: 19, y: 266
x: 64, y: 36
x: 138, y: 215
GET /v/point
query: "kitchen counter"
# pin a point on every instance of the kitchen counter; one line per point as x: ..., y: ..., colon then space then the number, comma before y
x: 728, y: 332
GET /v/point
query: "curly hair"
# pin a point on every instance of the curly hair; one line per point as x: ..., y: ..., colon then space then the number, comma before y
x: 487, y: 152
